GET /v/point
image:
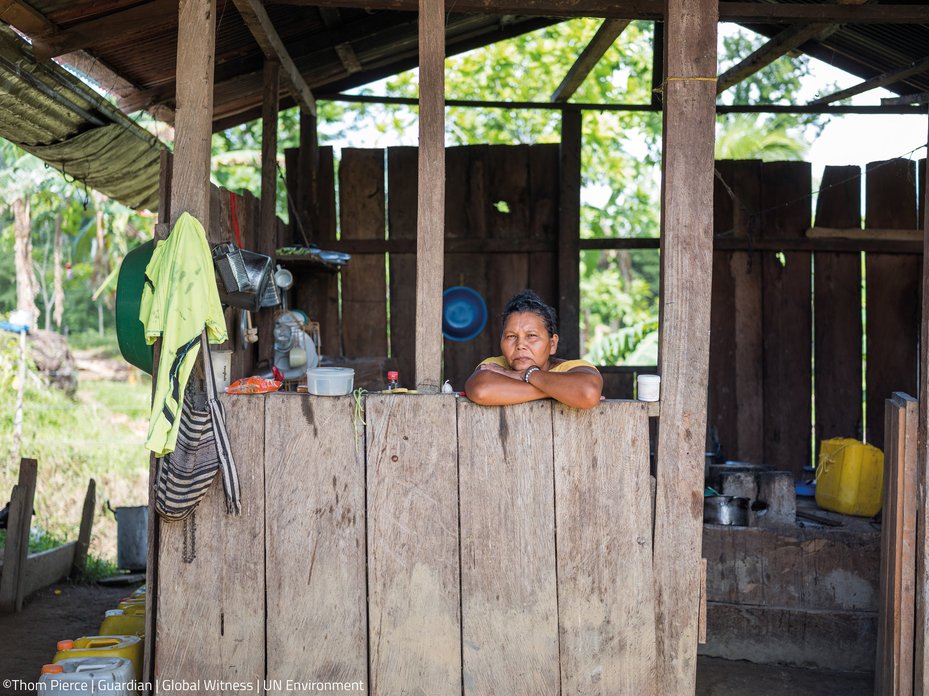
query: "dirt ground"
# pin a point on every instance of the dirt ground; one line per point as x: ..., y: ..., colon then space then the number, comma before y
x: 29, y: 637
x: 28, y: 642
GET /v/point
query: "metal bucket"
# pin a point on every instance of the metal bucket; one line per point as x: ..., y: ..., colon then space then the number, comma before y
x: 132, y: 537
x: 725, y: 509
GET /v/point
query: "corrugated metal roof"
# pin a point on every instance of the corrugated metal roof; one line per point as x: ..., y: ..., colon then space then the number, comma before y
x: 50, y: 113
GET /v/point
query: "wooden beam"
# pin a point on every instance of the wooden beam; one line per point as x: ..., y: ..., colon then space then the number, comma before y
x: 786, y: 41
x: 749, y: 12
x: 259, y: 23
x: 430, y: 220
x: 24, y: 17
x: 608, y: 32
x: 684, y: 334
x: 886, y: 78
x: 136, y: 20
x: 569, y: 233
x: 657, y: 63
x: 587, y: 106
x: 921, y: 98
x: 196, y: 49
x: 870, y: 233
x: 114, y: 84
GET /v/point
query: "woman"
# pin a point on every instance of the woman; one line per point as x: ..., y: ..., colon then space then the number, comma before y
x: 528, y: 369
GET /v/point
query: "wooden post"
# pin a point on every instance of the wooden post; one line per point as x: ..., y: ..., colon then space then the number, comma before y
x: 430, y: 221
x: 267, y: 216
x: 189, y: 177
x: 569, y: 234
x: 686, y: 265
x: 17, y: 538
x: 921, y: 676
x: 193, y: 128
x: 83, y: 535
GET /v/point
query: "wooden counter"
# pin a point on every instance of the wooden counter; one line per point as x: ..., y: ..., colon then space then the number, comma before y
x: 437, y: 547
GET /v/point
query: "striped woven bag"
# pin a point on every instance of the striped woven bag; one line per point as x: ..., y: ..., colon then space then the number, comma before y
x: 183, y: 477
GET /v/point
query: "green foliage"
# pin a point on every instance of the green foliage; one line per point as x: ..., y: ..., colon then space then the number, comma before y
x: 768, y: 137
x: 54, y: 199
x: 98, y: 435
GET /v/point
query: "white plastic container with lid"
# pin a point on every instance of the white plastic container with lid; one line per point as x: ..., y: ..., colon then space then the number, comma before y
x: 88, y: 675
x: 648, y: 387
x: 330, y: 381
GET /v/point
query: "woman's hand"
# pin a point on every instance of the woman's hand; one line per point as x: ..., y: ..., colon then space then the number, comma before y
x: 500, y: 370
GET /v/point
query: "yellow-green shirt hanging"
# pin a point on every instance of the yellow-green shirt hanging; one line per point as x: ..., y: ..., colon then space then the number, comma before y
x: 179, y: 299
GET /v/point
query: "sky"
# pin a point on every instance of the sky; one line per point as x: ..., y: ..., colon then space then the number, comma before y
x: 859, y: 139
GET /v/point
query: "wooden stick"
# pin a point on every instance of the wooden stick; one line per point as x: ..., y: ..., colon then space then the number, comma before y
x: 686, y: 263
x: 83, y: 536
x: 430, y: 221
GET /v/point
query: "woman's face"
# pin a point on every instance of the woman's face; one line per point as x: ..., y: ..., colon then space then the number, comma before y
x: 526, y: 341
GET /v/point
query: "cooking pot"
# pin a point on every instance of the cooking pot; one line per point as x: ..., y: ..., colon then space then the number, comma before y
x: 725, y: 509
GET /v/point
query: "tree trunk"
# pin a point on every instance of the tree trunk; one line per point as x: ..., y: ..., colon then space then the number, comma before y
x: 58, y: 298
x: 26, y: 284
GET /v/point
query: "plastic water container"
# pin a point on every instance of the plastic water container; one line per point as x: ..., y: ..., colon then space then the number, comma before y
x: 139, y: 591
x: 88, y: 675
x: 131, y: 602
x: 124, y: 622
x: 127, y: 647
x: 850, y: 477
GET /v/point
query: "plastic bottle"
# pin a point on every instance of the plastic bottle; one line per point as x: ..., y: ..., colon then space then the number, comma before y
x: 393, y: 380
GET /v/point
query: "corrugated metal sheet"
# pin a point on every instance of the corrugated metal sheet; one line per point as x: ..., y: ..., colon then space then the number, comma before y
x: 50, y: 113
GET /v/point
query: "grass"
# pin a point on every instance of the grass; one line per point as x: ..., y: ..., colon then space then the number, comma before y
x: 99, y: 434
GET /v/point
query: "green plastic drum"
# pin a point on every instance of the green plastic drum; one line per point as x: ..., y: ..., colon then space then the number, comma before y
x: 129, y: 330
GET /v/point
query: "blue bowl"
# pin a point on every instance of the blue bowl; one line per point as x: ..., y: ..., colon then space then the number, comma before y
x: 464, y: 313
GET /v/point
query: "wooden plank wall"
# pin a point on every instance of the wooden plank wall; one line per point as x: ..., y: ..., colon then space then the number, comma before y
x: 211, y: 607
x: 736, y: 392
x: 893, y: 288
x: 508, y: 568
x: 769, y: 321
x: 837, y: 307
x: 787, y: 317
x: 428, y: 545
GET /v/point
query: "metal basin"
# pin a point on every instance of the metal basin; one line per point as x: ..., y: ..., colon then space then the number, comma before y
x: 726, y: 509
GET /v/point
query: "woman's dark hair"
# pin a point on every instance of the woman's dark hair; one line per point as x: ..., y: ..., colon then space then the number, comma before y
x: 528, y: 301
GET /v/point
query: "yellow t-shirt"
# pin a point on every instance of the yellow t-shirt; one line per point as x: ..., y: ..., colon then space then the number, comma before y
x: 565, y: 366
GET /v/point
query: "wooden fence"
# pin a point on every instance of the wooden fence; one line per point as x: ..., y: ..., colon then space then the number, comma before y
x: 790, y: 312
x: 433, y: 547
